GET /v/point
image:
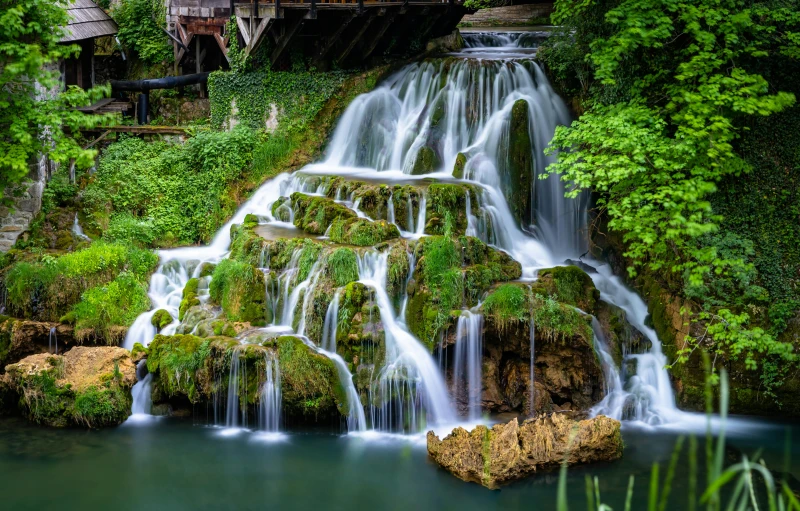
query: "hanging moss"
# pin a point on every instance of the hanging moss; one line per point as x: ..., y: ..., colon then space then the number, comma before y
x: 518, y: 178
x: 458, y: 168
x: 568, y: 284
x: 342, y: 266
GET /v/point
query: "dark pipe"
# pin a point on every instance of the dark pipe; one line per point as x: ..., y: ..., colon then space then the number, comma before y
x: 144, y: 107
x: 169, y: 82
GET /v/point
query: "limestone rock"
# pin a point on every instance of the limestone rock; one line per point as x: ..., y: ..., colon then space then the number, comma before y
x: 88, y: 386
x: 20, y: 338
x: 508, y: 452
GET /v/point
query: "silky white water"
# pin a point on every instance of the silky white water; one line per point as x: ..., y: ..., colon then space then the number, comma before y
x: 452, y: 106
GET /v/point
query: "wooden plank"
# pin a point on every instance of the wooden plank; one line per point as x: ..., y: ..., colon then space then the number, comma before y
x: 355, y: 39
x: 328, y: 43
x: 370, y: 47
x: 222, y: 43
x: 93, y: 107
x: 255, y: 41
x: 243, y: 30
x: 283, y: 42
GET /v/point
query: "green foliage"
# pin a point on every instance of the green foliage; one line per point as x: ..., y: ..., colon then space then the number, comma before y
x: 175, y: 360
x: 161, y: 318
x: 97, y: 407
x: 558, y: 321
x: 117, y: 303
x: 310, y: 383
x: 441, y: 268
x: 239, y: 289
x: 297, y: 96
x: 159, y: 193
x: 483, y: 4
x: 669, y: 88
x: 342, y: 266
x: 32, y: 122
x: 508, y: 304
x: 49, y: 288
x: 140, y: 29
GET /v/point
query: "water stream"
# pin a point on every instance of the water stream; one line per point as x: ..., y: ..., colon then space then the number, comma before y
x: 456, y: 105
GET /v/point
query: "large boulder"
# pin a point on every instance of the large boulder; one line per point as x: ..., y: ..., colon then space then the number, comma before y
x: 508, y: 452
x: 87, y: 386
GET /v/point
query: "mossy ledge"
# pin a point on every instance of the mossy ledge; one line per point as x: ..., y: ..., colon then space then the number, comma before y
x: 196, y: 370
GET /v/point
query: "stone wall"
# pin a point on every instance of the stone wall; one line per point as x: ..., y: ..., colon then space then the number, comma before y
x: 505, y: 16
x: 27, y: 201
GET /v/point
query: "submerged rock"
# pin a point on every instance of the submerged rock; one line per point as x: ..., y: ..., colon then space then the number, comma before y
x: 508, y: 452
x: 84, y: 387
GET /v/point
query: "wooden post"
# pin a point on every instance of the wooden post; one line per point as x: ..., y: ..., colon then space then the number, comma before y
x: 361, y: 6
x: 278, y: 9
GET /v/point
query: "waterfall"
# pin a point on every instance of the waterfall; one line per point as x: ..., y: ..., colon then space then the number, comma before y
x: 467, y: 361
x: 141, y: 391
x: 52, y: 342
x: 328, y: 342
x: 412, y: 389
x: 647, y: 396
x: 269, y: 404
x: 77, y: 230
x: 233, y: 403
x: 459, y: 105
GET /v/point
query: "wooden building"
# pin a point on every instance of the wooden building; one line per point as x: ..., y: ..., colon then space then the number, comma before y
x: 341, y: 33
x: 87, y: 23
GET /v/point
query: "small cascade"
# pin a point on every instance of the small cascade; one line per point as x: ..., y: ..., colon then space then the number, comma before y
x: 233, y: 406
x: 647, y: 395
x: 142, y: 390
x: 532, y: 375
x: 411, y: 388
x: 412, y: 266
x: 423, y: 210
x: 467, y: 361
x: 269, y: 403
x: 410, y: 214
x: 328, y: 342
x: 52, y: 342
x: 77, y: 230
x: 390, y: 211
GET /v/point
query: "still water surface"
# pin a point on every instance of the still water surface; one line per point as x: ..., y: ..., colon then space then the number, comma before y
x: 171, y: 464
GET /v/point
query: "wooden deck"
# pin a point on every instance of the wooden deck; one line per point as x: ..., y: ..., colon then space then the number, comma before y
x: 328, y: 33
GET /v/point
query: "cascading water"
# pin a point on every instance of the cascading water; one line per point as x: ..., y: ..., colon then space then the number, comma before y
x: 52, y: 342
x: 451, y: 106
x: 77, y: 230
x: 467, y: 361
x: 141, y: 391
x: 269, y: 404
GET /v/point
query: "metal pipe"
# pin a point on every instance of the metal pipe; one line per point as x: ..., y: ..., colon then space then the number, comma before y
x: 143, y: 109
x: 168, y: 82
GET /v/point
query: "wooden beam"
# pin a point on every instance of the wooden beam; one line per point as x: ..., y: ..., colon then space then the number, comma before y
x: 222, y: 42
x: 372, y: 43
x: 186, y: 37
x: 356, y: 38
x: 256, y: 39
x: 330, y: 41
x: 283, y: 42
x: 243, y: 30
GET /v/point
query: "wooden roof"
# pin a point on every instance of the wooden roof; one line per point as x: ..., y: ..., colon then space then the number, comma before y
x: 87, y: 20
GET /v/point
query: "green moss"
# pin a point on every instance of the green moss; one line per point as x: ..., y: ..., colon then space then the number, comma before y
x: 314, y: 214
x: 398, y: 269
x: 175, y: 361
x: 426, y: 161
x: 342, y: 266
x: 570, y: 285
x: 557, y: 321
x: 458, y: 168
x: 117, y: 304
x: 239, y: 289
x: 310, y: 380
x: 189, y: 298
x: 98, y: 407
x: 160, y: 319
x: 507, y: 305
x: 518, y: 176
x: 6, y: 332
x: 362, y: 232
x: 138, y: 349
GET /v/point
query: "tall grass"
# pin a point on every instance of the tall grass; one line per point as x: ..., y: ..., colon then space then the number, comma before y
x: 743, y: 486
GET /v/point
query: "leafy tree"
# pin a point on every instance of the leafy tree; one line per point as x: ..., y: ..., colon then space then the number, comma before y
x: 668, y: 85
x: 36, y: 118
x: 140, y: 29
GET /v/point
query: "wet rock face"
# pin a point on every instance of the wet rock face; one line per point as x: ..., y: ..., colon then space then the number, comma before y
x: 507, y: 452
x: 20, y: 338
x: 87, y: 386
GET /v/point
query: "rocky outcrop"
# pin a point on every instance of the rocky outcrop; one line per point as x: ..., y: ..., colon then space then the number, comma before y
x: 508, y: 452
x: 20, y: 338
x: 84, y: 387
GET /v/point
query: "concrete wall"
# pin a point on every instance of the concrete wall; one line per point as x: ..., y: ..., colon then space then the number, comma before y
x: 510, y: 15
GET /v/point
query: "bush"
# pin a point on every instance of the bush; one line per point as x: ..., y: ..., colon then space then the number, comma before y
x: 139, y: 31
x: 117, y: 303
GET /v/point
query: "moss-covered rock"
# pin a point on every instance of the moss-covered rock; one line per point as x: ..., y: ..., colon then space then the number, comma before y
x: 188, y: 367
x: 239, y: 289
x: 138, y: 352
x: 568, y: 284
x: 161, y: 318
x: 84, y: 387
x: 517, y: 178
x: 425, y: 162
x: 189, y: 297
x: 458, y: 167
x: 315, y: 214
